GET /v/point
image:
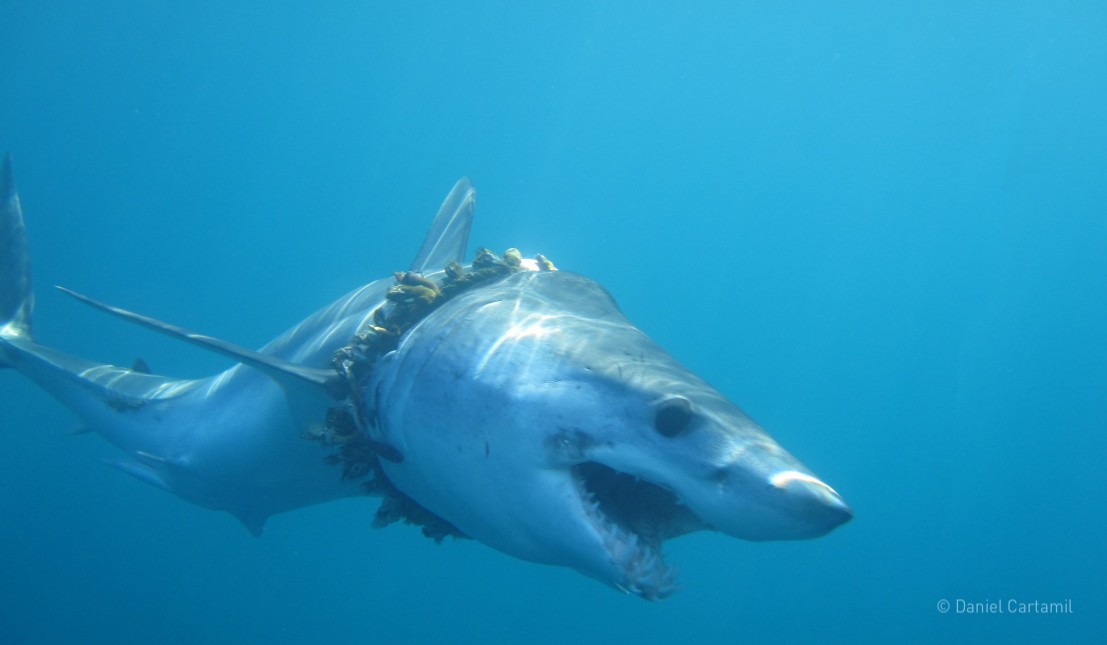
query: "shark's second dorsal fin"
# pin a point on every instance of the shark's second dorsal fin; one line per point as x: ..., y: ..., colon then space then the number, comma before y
x: 449, y: 234
x: 281, y: 370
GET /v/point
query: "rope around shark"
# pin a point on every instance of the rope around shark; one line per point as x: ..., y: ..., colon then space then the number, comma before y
x: 347, y: 424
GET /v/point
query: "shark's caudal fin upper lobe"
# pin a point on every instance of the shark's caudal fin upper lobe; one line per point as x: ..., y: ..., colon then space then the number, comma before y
x: 16, y: 298
x: 72, y: 380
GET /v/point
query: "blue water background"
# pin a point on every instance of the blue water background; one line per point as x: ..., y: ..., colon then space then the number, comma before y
x: 881, y: 228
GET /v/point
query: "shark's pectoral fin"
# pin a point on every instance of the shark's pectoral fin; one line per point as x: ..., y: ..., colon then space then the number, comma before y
x: 282, y: 371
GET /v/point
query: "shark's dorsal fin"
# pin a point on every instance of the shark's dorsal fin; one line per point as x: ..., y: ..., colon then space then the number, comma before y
x: 449, y: 234
x: 281, y: 370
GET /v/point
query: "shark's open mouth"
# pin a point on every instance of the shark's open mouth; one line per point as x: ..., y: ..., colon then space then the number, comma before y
x: 634, y: 517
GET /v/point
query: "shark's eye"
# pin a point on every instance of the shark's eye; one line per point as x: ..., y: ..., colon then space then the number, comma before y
x: 673, y: 416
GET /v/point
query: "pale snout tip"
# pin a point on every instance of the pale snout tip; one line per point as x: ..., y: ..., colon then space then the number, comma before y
x: 816, y: 493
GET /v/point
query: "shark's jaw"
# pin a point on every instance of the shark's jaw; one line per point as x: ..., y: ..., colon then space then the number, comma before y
x: 633, y: 518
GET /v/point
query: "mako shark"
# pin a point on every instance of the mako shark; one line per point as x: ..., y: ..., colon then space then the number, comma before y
x: 504, y: 401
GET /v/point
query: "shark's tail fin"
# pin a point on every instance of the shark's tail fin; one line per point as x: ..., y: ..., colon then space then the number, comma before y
x: 16, y: 298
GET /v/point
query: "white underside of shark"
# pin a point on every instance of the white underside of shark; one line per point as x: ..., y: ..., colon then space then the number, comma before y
x: 524, y: 412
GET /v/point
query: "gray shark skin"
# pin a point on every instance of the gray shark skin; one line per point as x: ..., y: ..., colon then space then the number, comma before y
x: 527, y: 413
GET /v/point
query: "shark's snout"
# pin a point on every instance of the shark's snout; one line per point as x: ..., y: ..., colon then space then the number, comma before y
x: 814, y: 507
x: 771, y: 498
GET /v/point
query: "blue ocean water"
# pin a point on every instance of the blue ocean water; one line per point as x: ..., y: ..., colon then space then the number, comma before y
x: 880, y: 228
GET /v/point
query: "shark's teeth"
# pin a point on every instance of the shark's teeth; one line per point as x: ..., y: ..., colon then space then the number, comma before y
x: 641, y: 561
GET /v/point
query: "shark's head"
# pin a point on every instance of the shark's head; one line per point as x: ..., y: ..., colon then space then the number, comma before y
x: 534, y: 417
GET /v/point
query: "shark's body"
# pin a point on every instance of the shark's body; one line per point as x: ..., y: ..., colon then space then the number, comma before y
x: 525, y: 412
